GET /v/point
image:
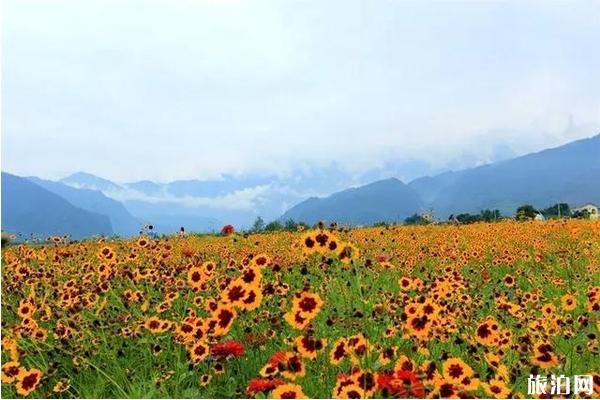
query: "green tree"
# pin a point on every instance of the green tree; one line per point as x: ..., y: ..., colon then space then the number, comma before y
x: 581, y: 214
x: 557, y: 210
x: 467, y: 218
x: 290, y: 225
x: 416, y: 219
x: 382, y: 224
x: 259, y: 224
x: 274, y: 226
x: 526, y: 212
x: 490, y: 215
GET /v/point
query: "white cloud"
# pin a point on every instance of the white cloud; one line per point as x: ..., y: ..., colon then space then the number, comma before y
x: 178, y: 89
x: 240, y: 200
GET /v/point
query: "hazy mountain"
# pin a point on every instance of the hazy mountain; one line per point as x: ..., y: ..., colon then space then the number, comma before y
x: 123, y: 223
x: 429, y: 188
x: 201, y: 205
x: 88, y: 181
x: 214, y: 187
x: 168, y: 217
x: 147, y: 187
x: 29, y: 209
x: 385, y: 200
x: 569, y: 173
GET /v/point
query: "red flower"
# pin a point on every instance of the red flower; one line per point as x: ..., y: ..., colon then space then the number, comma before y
x: 227, y: 348
x: 277, y: 358
x: 257, y: 385
x: 403, y: 384
x: 227, y: 230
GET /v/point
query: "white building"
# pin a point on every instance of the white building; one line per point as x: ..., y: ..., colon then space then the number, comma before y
x: 591, y: 208
x: 539, y: 217
x: 427, y: 216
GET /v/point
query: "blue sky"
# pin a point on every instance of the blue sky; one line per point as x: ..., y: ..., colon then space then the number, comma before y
x: 179, y: 89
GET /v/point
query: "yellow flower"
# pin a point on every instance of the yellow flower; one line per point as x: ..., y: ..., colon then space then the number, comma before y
x: 10, y: 371
x: 455, y: 370
x: 497, y: 389
x: 28, y: 381
x: 288, y: 391
x: 568, y: 302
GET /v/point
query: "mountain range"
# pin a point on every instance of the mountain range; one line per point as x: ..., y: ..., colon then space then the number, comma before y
x: 568, y: 174
x: 122, y: 222
x: 83, y: 204
x: 385, y: 200
x: 29, y: 209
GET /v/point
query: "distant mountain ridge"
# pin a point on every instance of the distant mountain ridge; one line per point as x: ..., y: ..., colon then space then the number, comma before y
x: 385, y: 200
x: 123, y: 223
x: 196, y: 205
x: 30, y: 210
x: 569, y: 173
x: 88, y: 181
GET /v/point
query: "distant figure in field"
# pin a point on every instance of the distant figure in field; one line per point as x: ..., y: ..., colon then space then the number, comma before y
x: 227, y: 230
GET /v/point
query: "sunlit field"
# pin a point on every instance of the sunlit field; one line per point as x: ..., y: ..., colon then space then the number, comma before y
x: 432, y: 311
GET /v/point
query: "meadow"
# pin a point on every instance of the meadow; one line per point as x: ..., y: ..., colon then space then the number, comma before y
x: 427, y: 311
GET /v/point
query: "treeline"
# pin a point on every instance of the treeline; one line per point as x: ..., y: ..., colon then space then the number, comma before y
x: 559, y: 210
x: 523, y: 213
x: 464, y: 218
x: 276, y: 226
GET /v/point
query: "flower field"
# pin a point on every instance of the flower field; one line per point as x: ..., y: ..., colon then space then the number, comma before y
x: 432, y: 311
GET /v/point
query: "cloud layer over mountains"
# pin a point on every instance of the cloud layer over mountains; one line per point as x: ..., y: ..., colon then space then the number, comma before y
x: 568, y: 173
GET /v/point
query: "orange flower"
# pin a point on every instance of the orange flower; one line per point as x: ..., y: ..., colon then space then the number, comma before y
x: 106, y: 253
x: 261, y: 260
x: 308, y: 346
x: 205, y: 380
x: 455, y: 370
x: 234, y: 294
x: 308, y: 304
x: 497, y: 389
x: 544, y: 356
x: 252, y: 299
x: 351, y: 391
x: 288, y: 391
x: 198, y: 352
x: 28, y: 381
x: 305, y: 306
x: 487, y: 332
x: 419, y: 326
x: 143, y: 242
x: 568, y: 302
x: 62, y: 386
x: 348, y: 253
x: 156, y: 325
x: 222, y: 319
x: 405, y: 283
x: 296, y: 319
x: 195, y: 277
x: 26, y: 308
x: 10, y: 371
x: 544, y: 360
x: 339, y: 351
